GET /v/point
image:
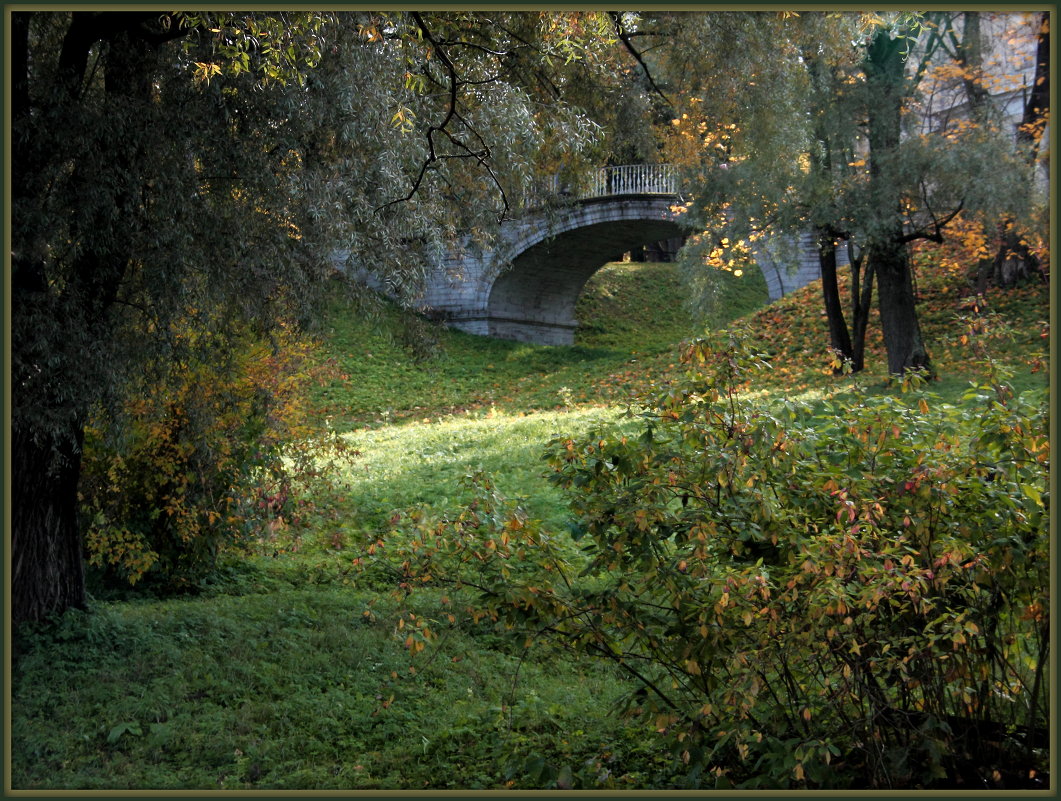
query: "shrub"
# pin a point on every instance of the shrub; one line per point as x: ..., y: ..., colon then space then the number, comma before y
x: 207, y: 451
x: 851, y: 594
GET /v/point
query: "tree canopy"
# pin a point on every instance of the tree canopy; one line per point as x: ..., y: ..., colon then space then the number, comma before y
x: 217, y: 169
x: 835, y: 122
x: 213, y: 165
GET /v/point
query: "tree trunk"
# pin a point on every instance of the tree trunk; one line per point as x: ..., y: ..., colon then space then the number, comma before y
x: 885, y: 74
x: 861, y: 300
x: 839, y: 337
x: 1037, y: 107
x: 49, y: 385
x: 1014, y: 261
x: 47, y: 572
x: 897, y: 305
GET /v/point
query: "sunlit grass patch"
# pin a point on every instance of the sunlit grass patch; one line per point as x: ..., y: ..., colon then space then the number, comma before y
x: 422, y: 463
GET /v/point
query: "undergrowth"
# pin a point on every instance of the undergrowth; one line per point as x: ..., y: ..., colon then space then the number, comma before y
x: 270, y: 674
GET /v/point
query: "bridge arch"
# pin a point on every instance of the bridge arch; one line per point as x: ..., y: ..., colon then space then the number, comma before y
x: 527, y: 288
x: 533, y: 291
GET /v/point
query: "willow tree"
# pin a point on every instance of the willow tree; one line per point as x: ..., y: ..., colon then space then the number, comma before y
x: 810, y: 121
x: 1013, y: 258
x: 168, y: 162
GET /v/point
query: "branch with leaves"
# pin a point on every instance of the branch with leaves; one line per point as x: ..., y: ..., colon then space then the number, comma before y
x: 454, y: 82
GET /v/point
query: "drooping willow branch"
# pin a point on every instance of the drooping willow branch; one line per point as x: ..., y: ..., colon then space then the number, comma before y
x: 625, y: 38
x: 481, y: 155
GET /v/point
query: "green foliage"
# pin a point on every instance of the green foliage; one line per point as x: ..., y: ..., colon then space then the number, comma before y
x: 809, y: 597
x: 288, y: 622
x: 625, y: 311
x: 298, y: 689
x: 272, y: 47
x: 833, y: 124
x: 720, y: 296
x: 212, y: 449
x: 233, y: 161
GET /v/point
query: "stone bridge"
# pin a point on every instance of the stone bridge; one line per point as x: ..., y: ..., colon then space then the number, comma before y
x: 526, y: 289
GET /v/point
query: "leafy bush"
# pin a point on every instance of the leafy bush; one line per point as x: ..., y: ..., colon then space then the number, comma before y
x: 208, y: 449
x: 851, y: 594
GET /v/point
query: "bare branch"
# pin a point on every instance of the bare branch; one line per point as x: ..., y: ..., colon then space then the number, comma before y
x: 935, y: 235
x: 455, y: 82
x: 624, y: 37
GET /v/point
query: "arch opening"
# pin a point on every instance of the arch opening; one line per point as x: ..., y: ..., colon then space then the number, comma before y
x: 534, y: 299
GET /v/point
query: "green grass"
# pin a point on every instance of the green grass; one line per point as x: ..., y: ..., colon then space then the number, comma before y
x: 299, y: 689
x: 632, y: 316
x: 422, y: 463
x: 273, y: 676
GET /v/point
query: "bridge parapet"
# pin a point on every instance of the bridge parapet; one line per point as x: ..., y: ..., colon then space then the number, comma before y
x: 634, y: 179
x: 625, y: 179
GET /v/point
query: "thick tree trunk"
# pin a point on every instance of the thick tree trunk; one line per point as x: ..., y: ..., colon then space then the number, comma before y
x: 885, y: 74
x: 898, y: 310
x: 47, y: 572
x: 54, y: 322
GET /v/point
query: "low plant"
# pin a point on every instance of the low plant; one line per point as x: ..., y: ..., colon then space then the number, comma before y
x: 209, y: 449
x: 849, y: 594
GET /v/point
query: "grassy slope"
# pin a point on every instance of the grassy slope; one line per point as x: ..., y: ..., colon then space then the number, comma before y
x: 276, y: 678
x: 632, y: 317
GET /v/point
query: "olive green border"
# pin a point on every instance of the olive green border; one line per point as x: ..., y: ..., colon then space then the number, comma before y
x: 684, y: 5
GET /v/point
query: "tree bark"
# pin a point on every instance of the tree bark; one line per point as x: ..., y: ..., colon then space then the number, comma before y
x: 839, y: 337
x: 898, y: 310
x: 49, y: 409
x: 47, y: 570
x: 885, y: 74
x: 861, y: 301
